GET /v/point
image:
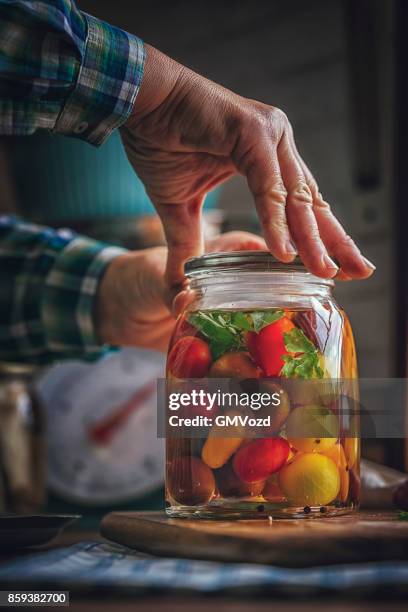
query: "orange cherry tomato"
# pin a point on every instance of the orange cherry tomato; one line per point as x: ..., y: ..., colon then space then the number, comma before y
x: 189, y: 358
x: 268, y: 347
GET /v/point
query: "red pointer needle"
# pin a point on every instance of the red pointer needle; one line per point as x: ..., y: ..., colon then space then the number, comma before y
x: 102, y: 433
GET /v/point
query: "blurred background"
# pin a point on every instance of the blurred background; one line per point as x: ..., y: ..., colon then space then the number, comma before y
x: 338, y: 68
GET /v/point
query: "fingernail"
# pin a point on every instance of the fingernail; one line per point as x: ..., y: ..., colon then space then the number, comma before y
x: 330, y: 263
x: 369, y: 263
x: 291, y: 248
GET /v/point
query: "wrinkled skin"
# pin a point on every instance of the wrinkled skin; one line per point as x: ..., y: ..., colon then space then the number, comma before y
x: 187, y: 134
x: 132, y: 296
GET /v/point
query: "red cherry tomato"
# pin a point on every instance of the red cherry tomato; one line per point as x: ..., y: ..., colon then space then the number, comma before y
x: 268, y: 346
x: 200, y: 405
x: 260, y: 458
x: 189, y: 358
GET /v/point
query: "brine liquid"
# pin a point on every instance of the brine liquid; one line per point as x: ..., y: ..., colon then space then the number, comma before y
x: 217, y: 477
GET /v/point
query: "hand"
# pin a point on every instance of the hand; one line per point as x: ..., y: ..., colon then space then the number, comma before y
x: 186, y: 135
x: 131, y: 302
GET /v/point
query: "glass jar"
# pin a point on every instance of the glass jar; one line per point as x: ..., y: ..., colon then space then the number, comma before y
x: 255, y: 319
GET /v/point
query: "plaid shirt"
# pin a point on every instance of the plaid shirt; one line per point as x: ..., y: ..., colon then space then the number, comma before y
x: 65, y: 71
x: 49, y: 280
x: 70, y: 73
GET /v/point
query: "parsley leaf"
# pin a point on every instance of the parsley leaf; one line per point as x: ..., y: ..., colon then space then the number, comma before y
x: 306, y: 363
x: 262, y: 318
x: 241, y: 321
x: 288, y: 370
x: 297, y: 342
x: 225, y: 329
x: 222, y: 336
x: 403, y: 515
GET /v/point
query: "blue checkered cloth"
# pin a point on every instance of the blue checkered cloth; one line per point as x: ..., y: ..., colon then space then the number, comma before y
x: 110, y: 567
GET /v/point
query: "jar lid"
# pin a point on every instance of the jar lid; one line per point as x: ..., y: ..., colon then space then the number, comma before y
x: 254, y: 260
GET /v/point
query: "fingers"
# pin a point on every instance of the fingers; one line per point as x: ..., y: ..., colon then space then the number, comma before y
x: 150, y: 335
x: 182, y: 227
x: 230, y: 241
x: 236, y: 241
x: 293, y: 214
x: 353, y: 265
x: 300, y: 214
x: 181, y: 301
x: 265, y: 182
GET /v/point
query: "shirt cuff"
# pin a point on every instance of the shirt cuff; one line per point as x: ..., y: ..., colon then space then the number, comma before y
x: 69, y: 298
x: 108, y: 82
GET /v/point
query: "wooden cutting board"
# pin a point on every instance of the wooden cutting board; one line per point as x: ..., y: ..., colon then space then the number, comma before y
x: 373, y: 536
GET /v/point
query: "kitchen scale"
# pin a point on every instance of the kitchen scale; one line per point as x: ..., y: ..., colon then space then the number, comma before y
x: 101, y: 432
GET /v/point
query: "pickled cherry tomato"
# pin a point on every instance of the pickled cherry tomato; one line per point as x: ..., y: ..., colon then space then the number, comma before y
x: 311, y: 479
x: 259, y: 459
x: 205, y: 409
x: 278, y: 414
x: 229, y: 485
x: 268, y: 346
x: 217, y: 450
x: 189, y: 358
x: 200, y: 404
x: 190, y: 481
x: 355, y: 486
x: 272, y: 490
x: 234, y: 365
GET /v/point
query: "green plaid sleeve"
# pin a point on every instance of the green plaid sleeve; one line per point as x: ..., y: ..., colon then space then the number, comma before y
x: 108, y: 82
x: 65, y: 71
x: 47, y: 292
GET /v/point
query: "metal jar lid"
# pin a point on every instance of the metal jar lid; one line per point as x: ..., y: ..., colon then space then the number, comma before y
x: 248, y: 260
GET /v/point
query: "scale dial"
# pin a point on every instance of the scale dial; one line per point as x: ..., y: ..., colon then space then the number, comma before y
x: 102, y: 428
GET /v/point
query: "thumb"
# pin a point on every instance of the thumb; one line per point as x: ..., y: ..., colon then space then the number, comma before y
x: 183, y: 230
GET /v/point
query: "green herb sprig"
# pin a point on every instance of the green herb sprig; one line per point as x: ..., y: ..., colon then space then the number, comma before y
x: 305, y: 363
x: 225, y: 329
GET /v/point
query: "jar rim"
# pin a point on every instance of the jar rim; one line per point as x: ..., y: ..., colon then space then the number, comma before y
x: 261, y: 261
